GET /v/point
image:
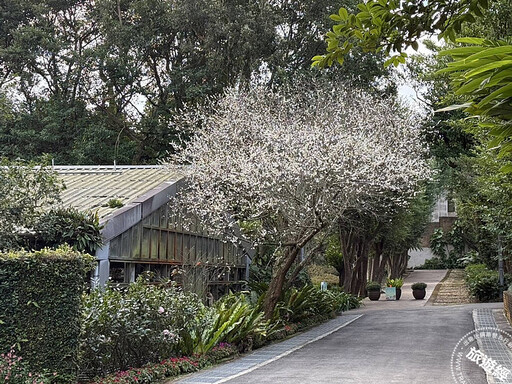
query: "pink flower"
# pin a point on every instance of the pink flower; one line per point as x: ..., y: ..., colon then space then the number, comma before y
x: 161, y: 310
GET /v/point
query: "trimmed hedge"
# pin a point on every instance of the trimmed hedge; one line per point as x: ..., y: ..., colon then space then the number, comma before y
x: 40, y: 297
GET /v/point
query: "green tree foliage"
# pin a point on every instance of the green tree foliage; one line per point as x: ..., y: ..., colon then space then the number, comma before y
x: 94, y: 82
x: 26, y: 190
x: 466, y: 152
x: 393, y: 26
x: 480, y: 70
x: 334, y: 257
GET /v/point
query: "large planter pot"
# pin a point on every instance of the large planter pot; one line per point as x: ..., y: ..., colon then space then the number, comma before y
x: 374, y: 295
x: 398, y: 293
x: 419, y: 294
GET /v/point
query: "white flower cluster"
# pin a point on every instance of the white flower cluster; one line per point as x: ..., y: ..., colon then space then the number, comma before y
x: 282, y: 163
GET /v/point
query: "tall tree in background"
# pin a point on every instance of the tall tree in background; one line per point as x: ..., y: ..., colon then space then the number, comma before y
x: 94, y: 82
x: 473, y: 159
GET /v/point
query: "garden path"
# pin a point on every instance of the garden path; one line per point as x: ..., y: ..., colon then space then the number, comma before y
x: 408, y: 342
x: 407, y: 301
x: 452, y: 290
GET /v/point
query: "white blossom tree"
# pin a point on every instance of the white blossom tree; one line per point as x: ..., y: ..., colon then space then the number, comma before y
x: 285, y: 165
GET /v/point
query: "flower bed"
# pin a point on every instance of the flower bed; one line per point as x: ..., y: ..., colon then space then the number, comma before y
x: 170, y: 367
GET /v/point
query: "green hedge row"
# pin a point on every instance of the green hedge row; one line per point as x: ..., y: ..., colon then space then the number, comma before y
x: 40, y: 297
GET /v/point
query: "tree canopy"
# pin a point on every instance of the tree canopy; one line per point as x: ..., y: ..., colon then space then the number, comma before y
x: 93, y: 82
x: 480, y: 70
x: 289, y: 164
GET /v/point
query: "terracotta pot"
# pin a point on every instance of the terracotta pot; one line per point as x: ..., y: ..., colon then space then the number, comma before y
x: 419, y: 294
x: 374, y: 295
x: 398, y: 293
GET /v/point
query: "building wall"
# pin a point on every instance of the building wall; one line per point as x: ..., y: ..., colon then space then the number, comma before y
x: 171, y: 249
x: 418, y: 257
x: 443, y: 216
x: 148, y: 235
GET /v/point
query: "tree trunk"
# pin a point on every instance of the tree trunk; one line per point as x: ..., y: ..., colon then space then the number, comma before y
x: 363, y: 275
x: 398, y: 264
x: 275, y: 288
x: 355, y: 248
x: 380, y: 262
x: 281, y: 268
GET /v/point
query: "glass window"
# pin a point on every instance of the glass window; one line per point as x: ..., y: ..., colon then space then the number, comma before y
x: 126, y: 246
x: 155, y: 218
x: 451, y: 205
x: 170, y: 247
x: 155, y: 238
x: 162, y: 252
x: 135, y: 236
x: 115, y: 247
x: 163, y: 217
x: 146, y: 235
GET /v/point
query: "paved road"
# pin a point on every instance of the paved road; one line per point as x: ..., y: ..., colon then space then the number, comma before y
x: 410, y: 346
x: 407, y: 301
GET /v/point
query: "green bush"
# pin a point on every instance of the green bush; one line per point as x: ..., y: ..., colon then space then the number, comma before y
x: 300, y: 304
x: 79, y: 229
x: 40, y: 298
x: 473, y: 270
x: 482, y: 282
x: 233, y: 320
x: 343, y: 301
x: 418, y: 286
x: 397, y: 283
x: 129, y: 328
x: 372, y: 286
x: 452, y: 261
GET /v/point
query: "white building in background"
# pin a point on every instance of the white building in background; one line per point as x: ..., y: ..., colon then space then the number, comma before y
x: 443, y: 216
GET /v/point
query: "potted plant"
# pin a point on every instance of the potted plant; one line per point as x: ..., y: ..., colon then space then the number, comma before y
x: 397, y: 283
x: 373, y: 289
x: 419, y: 290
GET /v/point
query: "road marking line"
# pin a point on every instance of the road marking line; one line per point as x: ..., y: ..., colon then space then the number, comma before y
x: 287, y: 352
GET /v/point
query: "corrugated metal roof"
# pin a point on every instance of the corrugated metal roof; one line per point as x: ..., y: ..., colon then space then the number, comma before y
x: 91, y: 187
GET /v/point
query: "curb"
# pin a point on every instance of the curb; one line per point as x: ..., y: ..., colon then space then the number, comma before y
x: 287, y: 352
x: 266, y: 355
x: 437, y: 288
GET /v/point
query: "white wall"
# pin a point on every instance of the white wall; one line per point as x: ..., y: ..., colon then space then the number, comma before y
x: 418, y: 257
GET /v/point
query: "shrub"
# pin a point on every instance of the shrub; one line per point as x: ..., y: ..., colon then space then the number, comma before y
x: 143, y: 324
x: 452, y: 261
x: 40, y: 297
x: 81, y: 230
x: 170, y: 367
x: 473, y: 270
x: 482, y: 282
x: 398, y: 283
x: 485, y: 286
x: 233, y: 319
x: 343, y: 301
x: 418, y: 286
x: 13, y: 369
x: 372, y: 286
